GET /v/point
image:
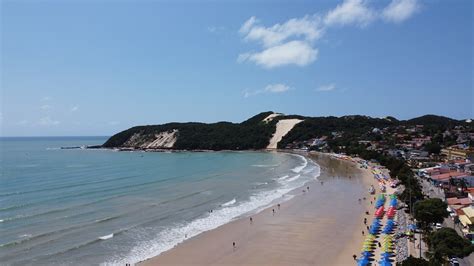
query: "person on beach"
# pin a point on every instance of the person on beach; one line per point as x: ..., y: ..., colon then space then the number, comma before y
x: 365, y: 220
x: 307, y: 188
x: 233, y: 245
x: 273, y: 211
x: 354, y: 256
x: 367, y: 213
x: 367, y: 228
x: 363, y: 232
x: 278, y: 205
x: 251, y: 220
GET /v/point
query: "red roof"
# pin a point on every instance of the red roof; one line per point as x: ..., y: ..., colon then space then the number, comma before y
x: 461, y: 201
x: 447, y: 176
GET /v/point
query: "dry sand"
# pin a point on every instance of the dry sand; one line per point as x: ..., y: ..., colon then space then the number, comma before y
x: 282, y: 128
x: 319, y: 227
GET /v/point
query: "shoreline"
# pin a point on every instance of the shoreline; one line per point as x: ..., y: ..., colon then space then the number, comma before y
x: 202, y: 248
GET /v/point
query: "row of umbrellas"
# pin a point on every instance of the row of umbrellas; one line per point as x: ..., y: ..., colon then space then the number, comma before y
x: 380, y: 201
x: 387, y: 243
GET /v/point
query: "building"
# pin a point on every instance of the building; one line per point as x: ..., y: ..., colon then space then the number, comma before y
x: 455, y: 153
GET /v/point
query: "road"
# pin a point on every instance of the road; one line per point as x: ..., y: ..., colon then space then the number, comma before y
x: 435, y: 192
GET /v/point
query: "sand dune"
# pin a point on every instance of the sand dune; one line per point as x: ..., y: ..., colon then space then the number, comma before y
x: 282, y: 128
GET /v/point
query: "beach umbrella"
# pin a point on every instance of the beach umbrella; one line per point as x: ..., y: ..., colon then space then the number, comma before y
x: 385, y: 263
x: 363, y: 262
x: 367, y: 253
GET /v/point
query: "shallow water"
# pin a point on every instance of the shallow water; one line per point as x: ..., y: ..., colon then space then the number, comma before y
x: 105, y: 207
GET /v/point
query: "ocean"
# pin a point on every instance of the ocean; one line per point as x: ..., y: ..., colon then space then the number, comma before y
x: 103, y: 207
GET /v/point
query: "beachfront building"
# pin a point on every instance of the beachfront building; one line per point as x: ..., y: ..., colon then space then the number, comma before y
x: 467, y: 221
x: 456, y: 153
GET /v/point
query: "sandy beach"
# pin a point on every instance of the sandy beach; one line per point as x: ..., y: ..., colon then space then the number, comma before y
x: 321, y: 226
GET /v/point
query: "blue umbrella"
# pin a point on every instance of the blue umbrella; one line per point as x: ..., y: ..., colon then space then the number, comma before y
x: 385, y: 263
x: 363, y: 262
x: 367, y: 254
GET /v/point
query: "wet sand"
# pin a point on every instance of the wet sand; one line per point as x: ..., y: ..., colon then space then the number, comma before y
x: 321, y: 226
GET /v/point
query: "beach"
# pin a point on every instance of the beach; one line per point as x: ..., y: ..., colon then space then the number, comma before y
x: 322, y: 226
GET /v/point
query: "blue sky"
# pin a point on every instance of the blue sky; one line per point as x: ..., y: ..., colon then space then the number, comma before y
x: 97, y: 67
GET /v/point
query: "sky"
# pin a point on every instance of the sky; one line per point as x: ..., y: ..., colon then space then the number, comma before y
x: 72, y: 68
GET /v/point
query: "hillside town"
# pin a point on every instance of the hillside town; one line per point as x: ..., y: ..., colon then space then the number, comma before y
x: 442, y: 162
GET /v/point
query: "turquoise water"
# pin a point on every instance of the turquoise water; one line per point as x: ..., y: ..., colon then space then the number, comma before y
x: 105, y: 207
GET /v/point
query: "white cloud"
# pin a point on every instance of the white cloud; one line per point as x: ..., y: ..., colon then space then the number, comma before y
x: 293, y: 41
x: 307, y: 28
x: 328, y: 87
x: 46, y: 107
x: 400, y: 10
x: 271, y: 88
x: 289, y: 43
x: 295, y: 52
x: 74, y: 108
x: 350, y: 12
x: 48, y: 121
x: 248, y: 25
x: 277, y: 88
x: 46, y: 98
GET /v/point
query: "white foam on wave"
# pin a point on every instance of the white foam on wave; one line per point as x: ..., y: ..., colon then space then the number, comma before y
x: 264, y: 165
x: 106, y: 237
x: 293, y: 178
x: 302, y: 166
x: 230, y: 202
x: 177, y: 233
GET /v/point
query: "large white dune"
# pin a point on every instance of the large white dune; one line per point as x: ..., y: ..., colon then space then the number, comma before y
x: 282, y: 128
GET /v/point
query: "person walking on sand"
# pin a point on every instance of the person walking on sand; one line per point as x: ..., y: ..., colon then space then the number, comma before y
x: 278, y: 205
x: 363, y: 232
x: 273, y: 212
x: 307, y: 188
x: 354, y: 256
x: 251, y: 220
x: 233, y: 245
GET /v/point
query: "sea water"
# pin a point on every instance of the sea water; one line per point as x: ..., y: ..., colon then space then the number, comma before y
x: 80, y: 206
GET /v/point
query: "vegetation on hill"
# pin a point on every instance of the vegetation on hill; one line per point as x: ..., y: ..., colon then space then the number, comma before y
x: 255, y: 134
x: 251, y: 134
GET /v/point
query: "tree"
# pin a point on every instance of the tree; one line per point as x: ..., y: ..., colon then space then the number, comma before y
x: 433, y: 148
x: 446, y: 243
x: 430, y: 211
x: 412, y: 261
